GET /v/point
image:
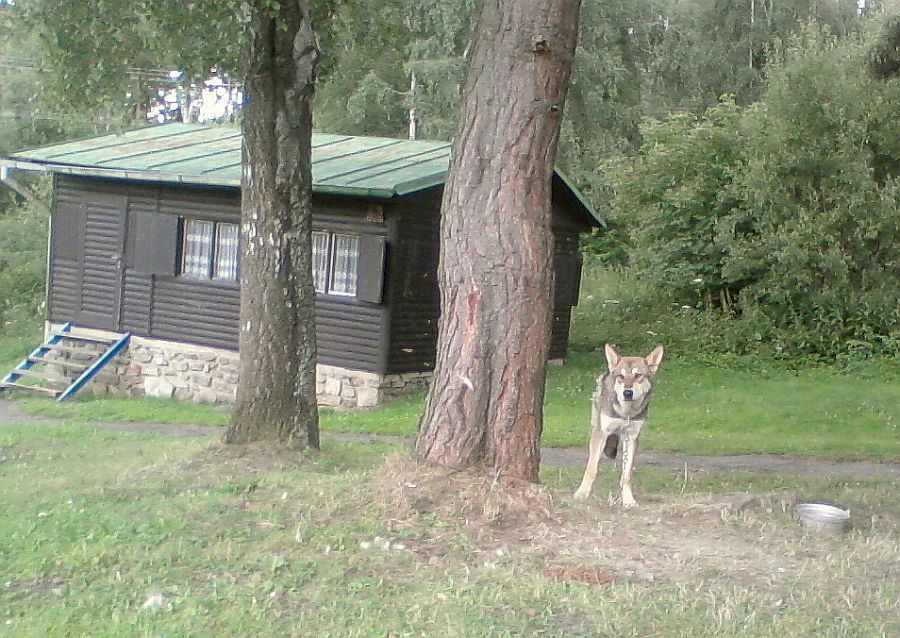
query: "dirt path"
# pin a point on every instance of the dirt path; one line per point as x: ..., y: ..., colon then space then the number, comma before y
x: 551, y: 456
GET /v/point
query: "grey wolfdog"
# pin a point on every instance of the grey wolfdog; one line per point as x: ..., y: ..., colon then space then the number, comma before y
x: 618, y: 413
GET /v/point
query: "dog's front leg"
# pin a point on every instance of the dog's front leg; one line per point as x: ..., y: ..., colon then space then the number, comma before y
x: 598, y: 438
x: 629, y: 452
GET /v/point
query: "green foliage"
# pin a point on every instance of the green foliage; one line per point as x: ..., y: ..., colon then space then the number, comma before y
x: 821, y: 258
x: 786, y: 212
x: 884, y: 56
x: 23, y: 255
x: 390, y: 56
x: 96, y: 50
x: 673, y: 198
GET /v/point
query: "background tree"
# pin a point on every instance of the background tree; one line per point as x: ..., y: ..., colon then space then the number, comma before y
x: 391, y: 56
x: 486, y: 398
x: 94, y: 48
x: 29, y: 116
x: 785, y: 212
x: 884, y: 56
x: 276, y: 388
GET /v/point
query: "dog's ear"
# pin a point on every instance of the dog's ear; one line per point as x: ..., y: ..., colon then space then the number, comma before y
x: 612, y: 356
x: 654, y: 358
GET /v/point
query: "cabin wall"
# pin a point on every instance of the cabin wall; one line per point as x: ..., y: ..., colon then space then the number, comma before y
x: 165, y: 305
x: 415, y: 297
x: 123, y: 275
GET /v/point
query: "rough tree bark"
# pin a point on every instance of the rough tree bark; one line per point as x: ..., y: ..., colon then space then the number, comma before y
x: 276, y: 396
x: 486, y: 399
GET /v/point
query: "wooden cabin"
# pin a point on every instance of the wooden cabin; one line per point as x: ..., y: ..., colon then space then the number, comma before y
x: 145, y: 239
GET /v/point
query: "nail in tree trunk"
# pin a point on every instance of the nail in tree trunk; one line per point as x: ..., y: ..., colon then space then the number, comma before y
x: 276, y: 397
x: 486, y: 399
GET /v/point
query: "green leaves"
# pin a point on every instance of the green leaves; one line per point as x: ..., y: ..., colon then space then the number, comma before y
x: 785, y: 212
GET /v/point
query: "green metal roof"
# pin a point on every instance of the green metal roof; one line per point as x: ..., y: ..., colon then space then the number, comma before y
x: 211, y: 155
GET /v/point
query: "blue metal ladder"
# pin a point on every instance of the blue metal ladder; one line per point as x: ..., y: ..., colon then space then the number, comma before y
x: 61, y: 342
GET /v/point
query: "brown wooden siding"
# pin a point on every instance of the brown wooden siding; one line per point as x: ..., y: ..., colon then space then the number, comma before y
x: 195, y: 311
x: 63, y: 297
x: 350, y: 333
x: 567, y: 274
x: 136, y: 303
x: 398, y: 335
x: 102, y: 259
x: 414, y: 296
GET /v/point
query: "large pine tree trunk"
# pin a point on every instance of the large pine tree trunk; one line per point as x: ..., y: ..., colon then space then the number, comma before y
x: 276, y: 396
x: 486, y: 399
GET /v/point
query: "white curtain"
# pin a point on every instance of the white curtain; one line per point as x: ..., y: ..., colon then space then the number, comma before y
x: 346, y: 254
x: 197, y: 248
x: 227, y: 252
x: 320, y: 260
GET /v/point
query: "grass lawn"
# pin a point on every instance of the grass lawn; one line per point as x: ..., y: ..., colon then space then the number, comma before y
x: 121, y: 534
x: 698, y: 409
x: 18, y: 339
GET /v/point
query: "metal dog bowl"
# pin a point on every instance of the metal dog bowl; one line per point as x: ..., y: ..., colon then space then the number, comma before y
x: 824, y: 518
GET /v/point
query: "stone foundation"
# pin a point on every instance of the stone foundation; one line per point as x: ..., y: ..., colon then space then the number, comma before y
x: 167, y: 369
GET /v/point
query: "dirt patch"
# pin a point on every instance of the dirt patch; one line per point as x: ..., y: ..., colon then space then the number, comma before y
x: 735, y: 537
x: 757, y: 463
x: 10, y: 412
x: 19, y: 590
x: 220, y: 464
x: 168, y: 429
x: 412, y: 488
x: 249, y: 458
x: 586, y: 575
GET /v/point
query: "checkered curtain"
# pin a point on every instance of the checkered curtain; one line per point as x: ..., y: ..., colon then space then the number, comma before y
x: 346, y: 254
x: 198, y: 237
x: 227, y: 253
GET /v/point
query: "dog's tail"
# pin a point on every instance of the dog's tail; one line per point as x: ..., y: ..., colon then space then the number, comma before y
x: 611, y: 448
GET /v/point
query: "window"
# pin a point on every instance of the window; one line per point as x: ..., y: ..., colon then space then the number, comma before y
x: 320, y: 260
x: 335, y: 258
x: 211, y: 250
x: 343, y: 269
x: 225, y: 264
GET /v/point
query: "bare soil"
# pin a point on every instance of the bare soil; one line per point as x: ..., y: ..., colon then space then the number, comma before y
x: 690, y: 538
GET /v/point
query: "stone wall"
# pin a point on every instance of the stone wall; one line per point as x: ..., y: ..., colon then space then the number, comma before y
x: 167, y: 369
x: 340, y: 387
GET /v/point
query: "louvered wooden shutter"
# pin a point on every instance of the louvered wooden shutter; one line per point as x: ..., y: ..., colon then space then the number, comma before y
x: 370, y: 270
x: 68, y: 224
x: 153, y: 240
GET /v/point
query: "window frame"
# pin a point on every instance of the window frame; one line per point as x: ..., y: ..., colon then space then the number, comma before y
x: 333, y: 266
x: 327, y: 261
x: 214, y: 251
x: 330, y: 263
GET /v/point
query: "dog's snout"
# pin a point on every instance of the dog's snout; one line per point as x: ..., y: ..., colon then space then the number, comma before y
x: 628, y: 395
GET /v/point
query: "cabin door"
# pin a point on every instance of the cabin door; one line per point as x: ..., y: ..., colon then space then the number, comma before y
x: 101, y: 264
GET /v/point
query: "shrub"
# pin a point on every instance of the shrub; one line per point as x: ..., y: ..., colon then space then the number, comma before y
x: 784, y: 214
x: 23, y: 254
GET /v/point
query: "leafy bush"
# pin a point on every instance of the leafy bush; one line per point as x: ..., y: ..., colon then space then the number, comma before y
x: 675, y: 195
x: 23, y: 254
x: 784, y: 214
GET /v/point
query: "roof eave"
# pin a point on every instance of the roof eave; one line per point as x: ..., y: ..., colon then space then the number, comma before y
x: 118, y: 173
x: 399, y: 190
x: 594, y: 216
